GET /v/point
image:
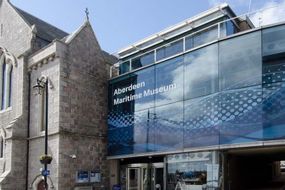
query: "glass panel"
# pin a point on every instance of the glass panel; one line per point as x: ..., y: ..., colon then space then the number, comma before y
x: 240, y: 114
x: 169, y: 50
x: 227, y: 28
x: 133, y: 92
x: 240, y: 61
x: 201, y: 121
x: 205, y: 36
x: 146, y: 81
x: 274, y: 41
x: 4, y: 67
x: 274, y: 97
x: 169, y: 81
x: 192, y: 171
x: 143, y: 60
x: 146, y: 178
x: 158, y: 179
x: 201, y: 72
x: 169, y: 127
x: 124, y: 67
x: 189, y: 43
x: 134, y: 179
x: 144, y: 131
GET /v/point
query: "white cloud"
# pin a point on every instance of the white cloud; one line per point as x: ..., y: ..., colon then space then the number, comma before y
x: 271, y: 12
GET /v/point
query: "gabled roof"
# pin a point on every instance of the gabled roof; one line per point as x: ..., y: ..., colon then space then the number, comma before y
x: 45, y: 30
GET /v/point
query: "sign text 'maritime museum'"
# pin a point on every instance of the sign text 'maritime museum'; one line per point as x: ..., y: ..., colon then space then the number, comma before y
x: 144, y: 93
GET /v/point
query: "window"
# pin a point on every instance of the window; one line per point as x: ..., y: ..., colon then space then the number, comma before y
x: 205, y: 36
x: 1, y: 147
x: 169, y: 50
x: 240, y: 61
x: 6, y: 67
x: 201, y: 72
x: 124, y: 67
x: 143, y: 60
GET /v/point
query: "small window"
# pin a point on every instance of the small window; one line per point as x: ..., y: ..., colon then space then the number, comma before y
x: 124, y: 67
x: 169, y: 50
x: 189, y: 43
x: 5, y: 82
x: 205, y: 36
x: 143, y: 60
x: 1, y: 147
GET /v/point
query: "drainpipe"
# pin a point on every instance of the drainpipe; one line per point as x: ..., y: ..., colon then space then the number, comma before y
x: 28, y: 130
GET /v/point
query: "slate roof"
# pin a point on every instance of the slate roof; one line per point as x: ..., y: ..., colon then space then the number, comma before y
x: 45, y: 30
x: 49, y: 32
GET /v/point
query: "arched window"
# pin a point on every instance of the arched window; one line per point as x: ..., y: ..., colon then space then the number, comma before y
x: 7, y: 61
x: 1, y: 147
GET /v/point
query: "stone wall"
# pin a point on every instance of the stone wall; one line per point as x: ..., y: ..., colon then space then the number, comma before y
x: 83, y: 109
x: 16, y: 37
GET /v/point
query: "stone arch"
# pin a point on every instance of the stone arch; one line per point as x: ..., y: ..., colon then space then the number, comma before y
x: 7, y: 62
x: 8, y: 57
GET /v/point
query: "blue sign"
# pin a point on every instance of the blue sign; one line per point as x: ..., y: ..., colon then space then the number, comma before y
x: 82, y: 177
x: 45, y: 172
x: 116, y: 187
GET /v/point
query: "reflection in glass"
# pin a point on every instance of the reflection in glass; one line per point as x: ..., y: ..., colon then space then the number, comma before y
x: 201, y: 72
x: 189, y: 43
x: 227, y: 28
x: 201, y: 123
x: 144, y: 131
x: 143, y: 60
x: 146, y: 80
x: 241, y: 115
x: 124, y: 67
x: 205, y: 36
x: 240, y: 61
x: 273, y: 41
x: 192, y: 171
x: 169, y: 81
x: 169, y: 127
x: 169, y: 50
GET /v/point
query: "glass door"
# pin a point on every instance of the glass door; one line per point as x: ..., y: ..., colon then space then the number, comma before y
x: 157, y: 177
x: 133, y: 178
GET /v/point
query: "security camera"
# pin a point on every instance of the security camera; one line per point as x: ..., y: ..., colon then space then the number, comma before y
x: 73, y: 156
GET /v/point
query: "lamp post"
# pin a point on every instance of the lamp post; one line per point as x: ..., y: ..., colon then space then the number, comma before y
x: 42, y: 86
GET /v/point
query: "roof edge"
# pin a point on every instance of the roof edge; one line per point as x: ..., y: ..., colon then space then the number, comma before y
x: 173, y: 27
x: 73, y: 35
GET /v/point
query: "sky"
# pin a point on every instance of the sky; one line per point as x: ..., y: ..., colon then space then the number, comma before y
x: 120, y: 23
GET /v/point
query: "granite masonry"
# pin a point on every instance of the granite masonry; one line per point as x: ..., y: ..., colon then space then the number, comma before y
x: 77, y: 71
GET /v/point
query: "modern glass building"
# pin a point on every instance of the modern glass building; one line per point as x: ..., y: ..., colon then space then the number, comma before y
x: 198, y: 105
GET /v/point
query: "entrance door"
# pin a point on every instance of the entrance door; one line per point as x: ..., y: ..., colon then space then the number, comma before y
x: 145, y: 177
x: 133, y: 178
x: 157, y: 176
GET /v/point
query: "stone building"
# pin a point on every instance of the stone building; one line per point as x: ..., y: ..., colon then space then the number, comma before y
x: 77, y: 71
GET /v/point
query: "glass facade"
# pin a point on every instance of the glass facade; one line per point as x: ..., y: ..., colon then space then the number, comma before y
x: 203, y: 35
x: 230, y: 92
x: 192, y: 171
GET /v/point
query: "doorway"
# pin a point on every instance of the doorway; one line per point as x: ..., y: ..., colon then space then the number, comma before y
x: 145, y: 176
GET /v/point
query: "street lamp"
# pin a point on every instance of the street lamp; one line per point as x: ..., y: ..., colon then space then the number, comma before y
x: 41, y: 87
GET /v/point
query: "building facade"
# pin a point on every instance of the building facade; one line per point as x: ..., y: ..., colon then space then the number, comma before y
x: 31, y: 50
x: 199, y: 106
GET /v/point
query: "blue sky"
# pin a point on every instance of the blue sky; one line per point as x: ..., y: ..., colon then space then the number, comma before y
x: 119, y: 23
